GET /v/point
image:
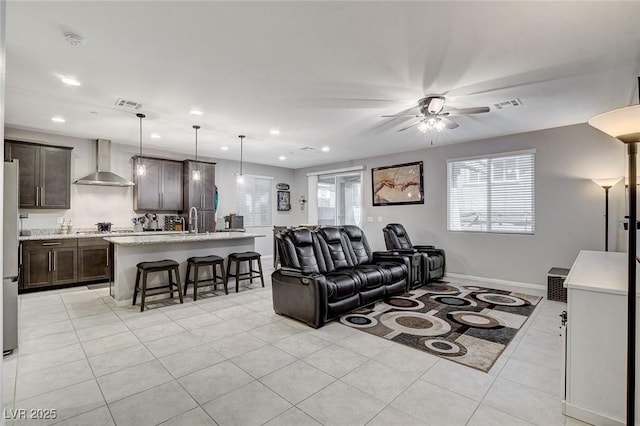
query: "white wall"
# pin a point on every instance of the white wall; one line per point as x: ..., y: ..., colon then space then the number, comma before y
x: 569, y: 206
x: 2, y: 74
x: 91, y: 204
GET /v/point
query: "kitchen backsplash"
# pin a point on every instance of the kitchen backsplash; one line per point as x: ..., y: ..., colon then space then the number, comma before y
x: 48, y: 223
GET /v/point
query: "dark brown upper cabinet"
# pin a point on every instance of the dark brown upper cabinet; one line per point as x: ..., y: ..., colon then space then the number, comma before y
x: 160, y: 189
x: 199, y: 194
x: 44, y: 174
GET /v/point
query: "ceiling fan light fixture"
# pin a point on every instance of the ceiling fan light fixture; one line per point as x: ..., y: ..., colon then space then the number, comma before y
x: 423, y: 127
x: 439, y: 125
x: 435, y: 104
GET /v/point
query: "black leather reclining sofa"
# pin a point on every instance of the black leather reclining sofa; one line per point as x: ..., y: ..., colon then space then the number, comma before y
x: 330, y: 271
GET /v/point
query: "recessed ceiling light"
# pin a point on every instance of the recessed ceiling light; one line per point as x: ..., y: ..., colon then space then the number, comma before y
x: 154, y: 136
x: 224, y: 148
x: 195, y: 112
x: 274, y: 132
x: 325, y: 149
x: 58, y: 119
x: 70, y: 81
x: 282, y: 158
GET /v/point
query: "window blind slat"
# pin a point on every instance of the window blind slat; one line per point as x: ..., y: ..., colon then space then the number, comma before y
x: 254, y: 200
x: 493, y: 194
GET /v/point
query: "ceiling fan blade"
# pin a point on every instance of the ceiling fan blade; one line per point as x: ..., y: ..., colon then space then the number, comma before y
x: 448, y: 123
x: 467, y: 111
x: 410, y: 126
x: 401, y: 115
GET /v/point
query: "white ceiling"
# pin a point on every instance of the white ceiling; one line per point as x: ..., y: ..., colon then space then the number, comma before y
x: 321, y: 72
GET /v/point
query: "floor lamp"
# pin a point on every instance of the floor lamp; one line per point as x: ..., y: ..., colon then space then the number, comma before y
x: 624, y: 124
x: 606, y: 184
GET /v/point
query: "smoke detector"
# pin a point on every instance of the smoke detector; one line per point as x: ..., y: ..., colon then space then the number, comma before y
x: 74, y: 39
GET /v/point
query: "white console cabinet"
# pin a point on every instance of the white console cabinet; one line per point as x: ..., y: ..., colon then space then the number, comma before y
x: 596, y: 339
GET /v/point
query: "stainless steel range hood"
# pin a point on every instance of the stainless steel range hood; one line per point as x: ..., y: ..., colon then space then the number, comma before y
x: 104, y: 176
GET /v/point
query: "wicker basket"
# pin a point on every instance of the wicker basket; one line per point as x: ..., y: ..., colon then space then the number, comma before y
x: 555, y: 284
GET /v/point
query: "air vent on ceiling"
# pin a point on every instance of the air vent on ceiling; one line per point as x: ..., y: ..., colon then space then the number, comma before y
x: 306, y: 148
x: 124, y: 103
x: 508, y: 104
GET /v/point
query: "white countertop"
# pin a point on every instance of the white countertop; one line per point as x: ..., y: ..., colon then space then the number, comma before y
x: 91, y: 235
x: 178, y: 237
x: 600, y: 271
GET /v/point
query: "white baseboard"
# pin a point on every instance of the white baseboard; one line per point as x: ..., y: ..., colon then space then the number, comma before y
x: 589, y: 416
x: 540, y: 290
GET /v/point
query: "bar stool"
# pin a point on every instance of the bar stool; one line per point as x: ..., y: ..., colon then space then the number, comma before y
x: 144, y: 268
x: 205, y: 261
x: 248, y: 256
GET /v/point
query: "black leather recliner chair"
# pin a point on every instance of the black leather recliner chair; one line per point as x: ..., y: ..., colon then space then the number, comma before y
x: 431, y: 260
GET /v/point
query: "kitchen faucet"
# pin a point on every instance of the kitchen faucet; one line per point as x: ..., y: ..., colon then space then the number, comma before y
x: 193, y: 220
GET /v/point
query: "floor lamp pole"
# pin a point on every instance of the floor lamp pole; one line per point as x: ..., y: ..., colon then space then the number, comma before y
x: 632, y: 149
x: 606, y: 218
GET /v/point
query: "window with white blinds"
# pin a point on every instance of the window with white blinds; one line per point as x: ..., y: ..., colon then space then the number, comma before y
x: 492, y: 194
x: 254, y: 200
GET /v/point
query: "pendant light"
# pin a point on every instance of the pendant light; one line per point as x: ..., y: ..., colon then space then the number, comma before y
x: 195, y: 174
x: 240, y: 178
x: 141, y: 170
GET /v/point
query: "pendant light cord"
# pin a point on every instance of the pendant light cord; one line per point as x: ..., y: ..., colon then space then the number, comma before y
x: 195, y: 126
x: 140, y: 116
x: 241, y: 140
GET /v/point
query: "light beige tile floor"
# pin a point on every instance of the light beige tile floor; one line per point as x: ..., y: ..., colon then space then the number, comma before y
x: 229, y: 360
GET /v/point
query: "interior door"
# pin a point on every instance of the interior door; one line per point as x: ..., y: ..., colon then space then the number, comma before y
x: 340, y: 199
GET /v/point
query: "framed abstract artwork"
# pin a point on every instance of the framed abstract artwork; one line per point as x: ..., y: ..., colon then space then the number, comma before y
x: 397, y: 185
x: 284, y: 201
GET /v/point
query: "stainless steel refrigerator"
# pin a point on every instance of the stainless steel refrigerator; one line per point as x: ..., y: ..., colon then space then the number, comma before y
x: 10, y: 257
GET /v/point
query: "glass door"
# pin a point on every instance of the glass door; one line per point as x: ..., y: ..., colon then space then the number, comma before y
x: 340, y: 199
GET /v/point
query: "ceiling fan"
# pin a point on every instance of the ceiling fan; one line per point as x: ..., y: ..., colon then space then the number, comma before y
x: 432, y: 115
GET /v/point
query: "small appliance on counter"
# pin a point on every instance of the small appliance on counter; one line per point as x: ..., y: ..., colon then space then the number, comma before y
x: 173, y: 222
x: 104, y: 227
x: 233, y: 221
x: 152, y: 222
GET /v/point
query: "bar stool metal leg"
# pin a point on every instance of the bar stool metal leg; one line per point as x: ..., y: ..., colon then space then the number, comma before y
x: 223, y: 276
x: 237, y: 274
x: 171, y: 283
x: 177, y: 271
x: 226, y: 277
x: 144, y: 290
x: 135, y: 289
x: 196, y: 273
x: 261, y: 275
x: 186, y: 279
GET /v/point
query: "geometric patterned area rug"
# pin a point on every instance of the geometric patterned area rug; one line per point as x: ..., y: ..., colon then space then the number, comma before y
x: 467, y: 324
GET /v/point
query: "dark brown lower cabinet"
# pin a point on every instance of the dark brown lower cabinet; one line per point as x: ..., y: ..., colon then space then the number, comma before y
x: 94, y: 259
x: 49, y: 262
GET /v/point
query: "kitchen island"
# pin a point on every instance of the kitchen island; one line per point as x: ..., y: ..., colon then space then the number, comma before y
x: 130, y: 250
